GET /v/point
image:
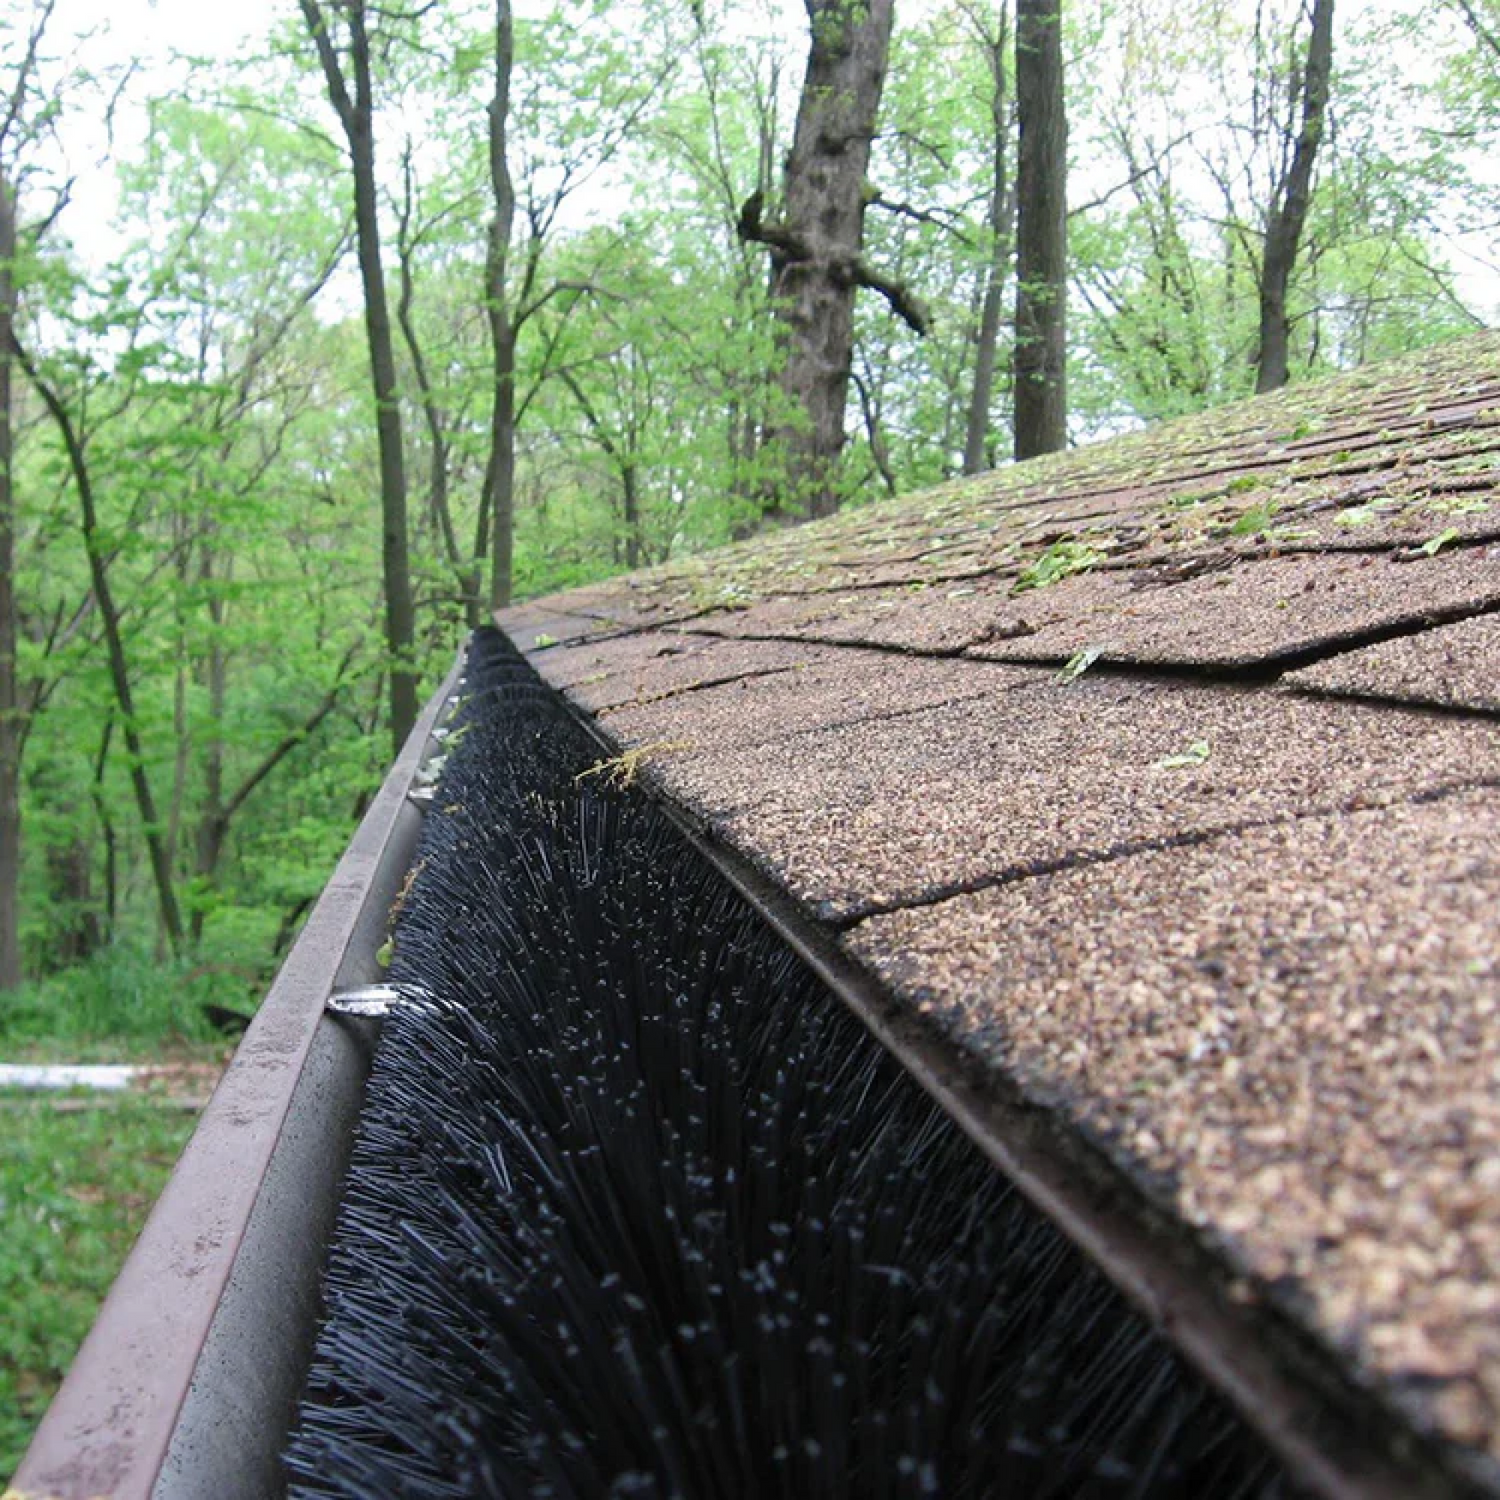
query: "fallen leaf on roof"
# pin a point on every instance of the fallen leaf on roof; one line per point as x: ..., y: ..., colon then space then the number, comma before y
x: 1059, y: 561
x: 1080, y: 662
x: 1194, y: 755
x: 622, y: 770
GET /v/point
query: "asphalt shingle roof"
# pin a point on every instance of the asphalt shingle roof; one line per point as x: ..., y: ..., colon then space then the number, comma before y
x: 1225, y: 900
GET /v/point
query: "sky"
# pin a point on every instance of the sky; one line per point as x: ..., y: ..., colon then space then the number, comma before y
x: 147, y: 34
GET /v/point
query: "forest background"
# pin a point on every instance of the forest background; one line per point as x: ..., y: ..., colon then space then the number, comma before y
x: 195, y: 574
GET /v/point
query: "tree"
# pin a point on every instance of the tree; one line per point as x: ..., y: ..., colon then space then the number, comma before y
x: 620, y: 65
x: 1287, y: 215
x: 10, y: 729
x: 500, y: 475
x: 720, y: 135
x: 97, y: 554
x: 356, y: 114
x: 1041, y: 231
x: 816, y: 264
x: 990, y: 33
x: 13, y: 125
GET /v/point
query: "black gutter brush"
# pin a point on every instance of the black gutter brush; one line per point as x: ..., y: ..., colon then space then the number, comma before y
x: 638, y: 1208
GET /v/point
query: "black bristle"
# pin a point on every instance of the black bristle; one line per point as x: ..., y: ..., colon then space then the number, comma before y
x: 638, y: 1208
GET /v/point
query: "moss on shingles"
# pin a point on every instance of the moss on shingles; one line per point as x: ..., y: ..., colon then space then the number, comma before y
x: 1253, y: 471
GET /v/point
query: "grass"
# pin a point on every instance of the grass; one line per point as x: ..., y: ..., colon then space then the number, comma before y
x: 123, y: 1005
x: 75, y: 1187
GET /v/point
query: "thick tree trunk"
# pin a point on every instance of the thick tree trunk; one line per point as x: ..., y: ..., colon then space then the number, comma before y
x: 500, y: 472
x: 10, y: 698
x: 1000, y: 222
x: 357, y: 116
x: 813, y: 283
x: 1041, y: 231
x: 1289, y: 206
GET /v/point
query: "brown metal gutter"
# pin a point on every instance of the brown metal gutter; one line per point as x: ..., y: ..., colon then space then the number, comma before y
x: 186, y: 1382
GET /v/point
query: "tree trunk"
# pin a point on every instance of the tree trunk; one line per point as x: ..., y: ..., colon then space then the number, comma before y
x: 630, y: 500
x: 467, y: 574
x: 1041, y: 231
x: 500, y: 472
x: 119, y: 667
x: 10, y: 698
x: 1289, y: 206
x: 76, y: 931
x: 216, y: 679
x: 1000, y: 222
x: 357, y: 116
x: 813, y: 282
x: 107, y: 829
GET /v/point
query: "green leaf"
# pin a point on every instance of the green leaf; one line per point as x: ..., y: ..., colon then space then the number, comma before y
x: 1059, y: 561
x: 1434, y: 545
x: 1079, y: 663
x: 1194, y: 755
x: 543, y: 640
x: 1254, y: 521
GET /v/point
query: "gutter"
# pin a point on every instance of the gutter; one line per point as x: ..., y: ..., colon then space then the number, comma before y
x: 186, y: 1383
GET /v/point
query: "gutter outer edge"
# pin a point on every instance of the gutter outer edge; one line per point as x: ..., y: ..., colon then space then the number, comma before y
x: 110, y: 1425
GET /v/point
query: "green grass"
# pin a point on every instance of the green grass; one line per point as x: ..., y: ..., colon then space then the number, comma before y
x: 75, y: 1187
x: 123, y: 1005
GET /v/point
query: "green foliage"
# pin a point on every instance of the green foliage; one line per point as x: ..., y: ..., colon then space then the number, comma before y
x: 123, y: 1002
x: 1060, y: 560
x: 214, y: 363
x: 1254, y: 520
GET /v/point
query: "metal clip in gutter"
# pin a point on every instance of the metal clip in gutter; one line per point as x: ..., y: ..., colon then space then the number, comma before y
x: 377, y: 1001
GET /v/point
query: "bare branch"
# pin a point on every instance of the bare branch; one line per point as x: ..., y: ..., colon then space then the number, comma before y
x: 940, y: 218
x: 17, y: 100
x: 1137, y: 173
x: 1477, y: 26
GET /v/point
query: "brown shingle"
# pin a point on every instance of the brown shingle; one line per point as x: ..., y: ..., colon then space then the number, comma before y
x: 886, y: 810
x: 1294, y: 1033
x: 1454, y: 665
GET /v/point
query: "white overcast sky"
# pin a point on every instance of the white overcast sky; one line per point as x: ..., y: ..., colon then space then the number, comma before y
x: 150, y: 33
